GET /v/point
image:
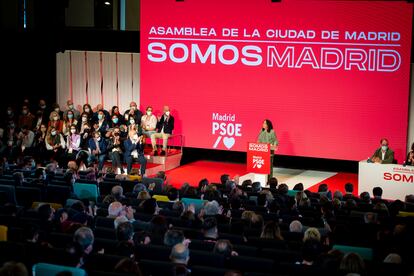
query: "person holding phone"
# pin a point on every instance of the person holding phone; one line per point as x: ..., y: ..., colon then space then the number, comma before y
x: 267, y: 135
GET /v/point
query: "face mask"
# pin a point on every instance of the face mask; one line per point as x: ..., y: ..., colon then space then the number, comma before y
x: 70, y: 106
x: 84, y: 119
x: 53, y: 133
x: 70, y: 116
x: 149, y: 113
x: 384, y: 148
x: 43, y: 106
x: 33, y: 164
x: 87, y: 110
x: 135, y: 137
x: 115, y: 120
x: 133, y: 107
x: 98, y: 139
x: 24, y: 112
x: 100, y: 116
x: 132, y: 122
x: 55, y: 118
x: 73, y: 131
x: 57, y: 109
x: 9, y: 112
x: 167, y: 113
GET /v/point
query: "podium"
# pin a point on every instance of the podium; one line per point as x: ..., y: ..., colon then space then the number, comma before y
x: 258, y: 163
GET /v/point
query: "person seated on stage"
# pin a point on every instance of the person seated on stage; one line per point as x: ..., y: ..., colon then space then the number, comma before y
x: 55, y: 121
x: 97, y: 149
x: 134, y: 150
x: 69, y: 120
x: 410, y: 156
x: 102, y: 122
x: 55, y: 145
x: 26, y: 118
x: 87, y: 110
x: 71, y: 107
x: 134, y: 112
x: 73, y: 143
x: 115, y: 121
x: 383, y: 155
x: 149, y: 122
x: 115, y: 149
x: 165, y: 126
x: 25, y: 140
x: 99, y: 108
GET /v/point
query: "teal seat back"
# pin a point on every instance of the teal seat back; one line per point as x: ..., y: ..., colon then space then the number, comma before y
x: 42, y: 269
x: 292, y: 193
x: 198, y: 203
x: 364, y: 252
x: 86, y: 191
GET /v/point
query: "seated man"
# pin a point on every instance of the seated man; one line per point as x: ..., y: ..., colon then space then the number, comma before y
x: 134, y: 150
x: 383, y: 155
x: 98, y: 148
x: 164, y: 129
x: 148, y: 122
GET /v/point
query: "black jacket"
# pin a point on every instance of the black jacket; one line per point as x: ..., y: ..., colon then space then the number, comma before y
x: 168, y: 125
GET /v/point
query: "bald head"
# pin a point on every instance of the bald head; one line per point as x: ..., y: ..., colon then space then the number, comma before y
x: 180, y: 254
x: 115, y: 209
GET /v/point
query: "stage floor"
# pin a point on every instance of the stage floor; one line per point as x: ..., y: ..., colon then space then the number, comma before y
x: 192, y: 173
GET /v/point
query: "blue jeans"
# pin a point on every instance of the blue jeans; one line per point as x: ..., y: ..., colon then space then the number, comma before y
x: 101, y: 160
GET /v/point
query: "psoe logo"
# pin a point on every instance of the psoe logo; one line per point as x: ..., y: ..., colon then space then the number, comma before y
x: 226, y: 129
x: 258, y: 162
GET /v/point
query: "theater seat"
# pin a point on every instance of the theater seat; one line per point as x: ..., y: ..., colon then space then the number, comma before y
x: 251, y: 264
x: 156, y: 268
x: 365, y: 253
x: 207, y: 271
x: 9, y: 193
x: 86, y: 191
x: 41, y: 269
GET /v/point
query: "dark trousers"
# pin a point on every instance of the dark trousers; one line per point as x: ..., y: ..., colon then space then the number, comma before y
x: 141, y: 159
x: 272, y: 158
x: 116, y: 159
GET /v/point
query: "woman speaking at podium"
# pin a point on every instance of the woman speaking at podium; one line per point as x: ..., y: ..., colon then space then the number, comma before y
x: 268, y: 136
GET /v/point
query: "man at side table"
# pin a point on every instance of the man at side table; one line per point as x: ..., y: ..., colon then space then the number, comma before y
x: 383, y: 155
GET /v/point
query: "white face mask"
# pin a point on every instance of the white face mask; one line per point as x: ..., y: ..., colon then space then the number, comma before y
x: 73, y: 131
x: 149, y: 113
x: 133, y: 107
x: 57, y: 109
x: 132, y: 122
x: 84, y: 119
x: 167, y: 113
x: 87, y: 110
x: 98, y: 139
x: 53, y: 133
x: 70, y: 106
x: 384, y: 148
x: 135, y: 137
x: 55, y: 118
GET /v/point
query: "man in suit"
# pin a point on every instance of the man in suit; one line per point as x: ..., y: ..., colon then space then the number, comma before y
x: 98, y: 148
x: 134, y: 150
x: 165, y: 126
x: 383, y: 155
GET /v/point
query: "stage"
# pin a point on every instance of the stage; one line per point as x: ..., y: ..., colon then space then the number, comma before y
x: 193, y: 172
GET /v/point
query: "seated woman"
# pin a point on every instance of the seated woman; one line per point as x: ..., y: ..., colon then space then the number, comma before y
x: 69, y: 120
x: 410, y: 156
x: 73, y: 143
x: 55, y: 121
x: 55, y: 145
x: 115, y: 149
